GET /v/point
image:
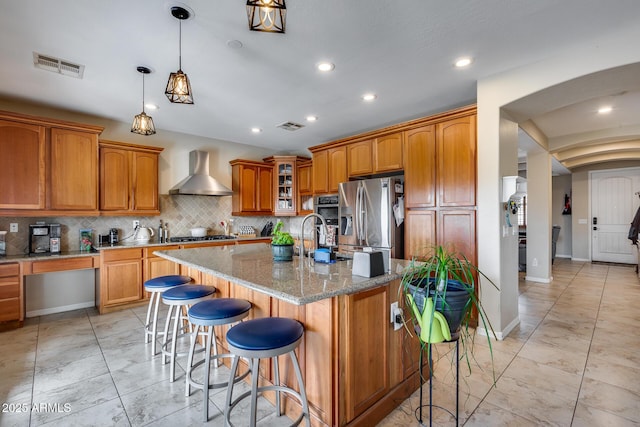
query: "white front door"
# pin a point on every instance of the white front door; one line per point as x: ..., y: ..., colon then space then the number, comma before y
x: 613, y: 206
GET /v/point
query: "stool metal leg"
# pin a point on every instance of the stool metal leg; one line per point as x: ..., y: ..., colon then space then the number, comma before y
x: 207, y: 364
x: 146, y: 323
x: 192, y: 350
x: 165, y: 339
x: 155, y: 322
x: 303, y: 392
x: 276, y: 382
x: 255, y: 373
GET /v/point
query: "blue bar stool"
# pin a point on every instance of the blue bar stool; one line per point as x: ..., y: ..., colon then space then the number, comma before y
x: 208, y: 314
x: 267, y: 337
x: 156, y: 287
x: 177, y: 298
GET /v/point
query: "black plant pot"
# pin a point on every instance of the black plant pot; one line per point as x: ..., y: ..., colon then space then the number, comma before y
x: 454, y: 305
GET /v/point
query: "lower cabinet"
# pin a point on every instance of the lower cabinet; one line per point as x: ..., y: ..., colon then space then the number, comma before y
x: 154, y: 266
x: 120, y: 277
x: 10, y: 290
x: 355, y: 366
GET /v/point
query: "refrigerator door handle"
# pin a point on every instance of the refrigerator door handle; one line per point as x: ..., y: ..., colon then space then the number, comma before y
x: 358, y: 214
x: 365, y: 219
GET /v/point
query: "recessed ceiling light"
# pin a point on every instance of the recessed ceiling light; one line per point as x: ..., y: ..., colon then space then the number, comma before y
x: 369, y: 97
x: 256, y: 130
x: 463, y: 62
x: 604, y: 110
x: 312, y: 118
x: 151, y: 106
x: 326, y: 66
x: 234, y: 44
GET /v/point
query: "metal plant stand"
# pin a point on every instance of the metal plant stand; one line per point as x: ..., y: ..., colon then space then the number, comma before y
x: 431, y: 405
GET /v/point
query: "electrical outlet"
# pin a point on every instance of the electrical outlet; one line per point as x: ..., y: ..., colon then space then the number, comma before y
x: 534, y: 263
x: 13, y: 227
x: 396, y: 316
x: 136, y: 224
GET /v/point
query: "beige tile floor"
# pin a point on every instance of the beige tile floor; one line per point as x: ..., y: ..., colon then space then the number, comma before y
x: 574, y: 360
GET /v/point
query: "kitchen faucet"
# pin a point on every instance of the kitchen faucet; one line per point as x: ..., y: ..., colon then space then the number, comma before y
x: 324, y: 224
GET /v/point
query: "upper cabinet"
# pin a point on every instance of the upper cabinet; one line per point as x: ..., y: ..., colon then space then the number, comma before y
x: 47, y: 167
x: 457, y: 161
x: 329, y: 169
x: 359, y: 158
x: 420, y: 167
x: 74, y: 170
x: 285, y: 184
x: 305, y: 188
x: 128, y: 179
x: 387, y: 153
x: 375, y: 156
x: 22, y: 165
x: 252, y: 188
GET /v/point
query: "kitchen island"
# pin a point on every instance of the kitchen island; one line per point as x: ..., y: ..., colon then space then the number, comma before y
x: 357, y: 368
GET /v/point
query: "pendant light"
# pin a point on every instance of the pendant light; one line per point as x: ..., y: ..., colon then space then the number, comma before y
x: 143, y: 124
x: 267, y: 15
x: 178, y: 87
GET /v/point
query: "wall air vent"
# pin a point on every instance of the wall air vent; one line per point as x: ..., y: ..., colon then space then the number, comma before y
x: 56, y: 65
x: 290, y: 126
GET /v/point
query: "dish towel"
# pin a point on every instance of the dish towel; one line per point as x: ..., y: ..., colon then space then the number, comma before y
x: 398, y: 211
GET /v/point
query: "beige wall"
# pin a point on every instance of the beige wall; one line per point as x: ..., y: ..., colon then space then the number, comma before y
x: 561, y: 185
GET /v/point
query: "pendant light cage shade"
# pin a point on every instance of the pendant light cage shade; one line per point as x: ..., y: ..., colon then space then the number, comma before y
x: 267, y: 15
x: 143, y: 124
x: 179, y: 88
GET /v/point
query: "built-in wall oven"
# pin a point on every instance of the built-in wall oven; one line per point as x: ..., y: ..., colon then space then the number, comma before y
x: 327, y: 207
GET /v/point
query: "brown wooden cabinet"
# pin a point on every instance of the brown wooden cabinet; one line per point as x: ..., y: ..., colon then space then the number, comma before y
x: 48, y: 167
x: 329, y: 169
x: 22, y: 165
x: 420, y: 232
x: 305, y: 188
x: 388, y: 153
x: 457, y: 161
x: 73, y: 174
x: 10, y: 292
x: 154, y: 266
x: 420, y: 167
x: 252, y: 188
x: 359, y: 158
x: 128, y: 179
x: 285, y: 183
x: 120, y: 277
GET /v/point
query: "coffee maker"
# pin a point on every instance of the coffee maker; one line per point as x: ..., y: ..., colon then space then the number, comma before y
x: 44, y: 239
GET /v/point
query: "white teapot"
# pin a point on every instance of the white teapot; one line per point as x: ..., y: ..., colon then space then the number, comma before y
x: 144, y: 234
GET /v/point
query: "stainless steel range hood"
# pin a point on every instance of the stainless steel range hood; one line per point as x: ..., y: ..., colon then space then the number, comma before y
x: 199, y: 182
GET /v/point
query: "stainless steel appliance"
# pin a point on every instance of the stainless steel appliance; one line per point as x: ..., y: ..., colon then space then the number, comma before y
x: 113, y: 236
x: 327, y: 207
x: 44, y: 239
x: 366, y: 217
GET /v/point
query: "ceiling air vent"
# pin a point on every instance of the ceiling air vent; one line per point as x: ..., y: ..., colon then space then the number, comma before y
x: 290, y: 126
x: 57, y: 65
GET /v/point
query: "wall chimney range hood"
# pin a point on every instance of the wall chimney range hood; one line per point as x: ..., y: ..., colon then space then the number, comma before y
x: 199, y: 182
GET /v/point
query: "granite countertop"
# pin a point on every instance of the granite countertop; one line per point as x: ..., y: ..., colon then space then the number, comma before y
x: 36, y: 257
x: 252, y: 265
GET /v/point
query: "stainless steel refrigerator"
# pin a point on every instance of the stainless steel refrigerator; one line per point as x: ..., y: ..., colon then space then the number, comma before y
x: 366, y: 212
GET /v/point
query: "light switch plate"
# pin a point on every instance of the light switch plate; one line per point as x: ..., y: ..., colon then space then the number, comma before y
x: 13, y: 227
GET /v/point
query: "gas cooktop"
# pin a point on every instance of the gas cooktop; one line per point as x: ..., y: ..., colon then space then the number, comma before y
x: 200, y: 239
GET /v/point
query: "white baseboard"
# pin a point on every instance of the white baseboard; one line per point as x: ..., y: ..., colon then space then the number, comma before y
x: 53, y: 310
x: 538, y: 279
x: 580, y: 259
x: 562, y: 256
x: 500, y: 335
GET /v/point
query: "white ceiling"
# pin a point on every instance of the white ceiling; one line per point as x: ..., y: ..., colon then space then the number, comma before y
x: 403, y: 51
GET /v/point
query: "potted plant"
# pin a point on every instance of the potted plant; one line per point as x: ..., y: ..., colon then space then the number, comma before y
x: 281, y: 244
x: 441, y: 294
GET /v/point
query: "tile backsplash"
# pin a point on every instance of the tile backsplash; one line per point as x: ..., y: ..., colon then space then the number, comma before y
x: 181, y: 212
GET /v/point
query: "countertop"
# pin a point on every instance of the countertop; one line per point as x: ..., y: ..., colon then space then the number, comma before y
x: 252, y: 265
x: 121, y: 245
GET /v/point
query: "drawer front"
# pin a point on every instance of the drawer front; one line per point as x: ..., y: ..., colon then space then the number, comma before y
x: 9, y: 290
x: 63, y: 264
x: 12, y: 269
x: 148, y: 252
x: 9, y: 309
x: 121, y: 254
